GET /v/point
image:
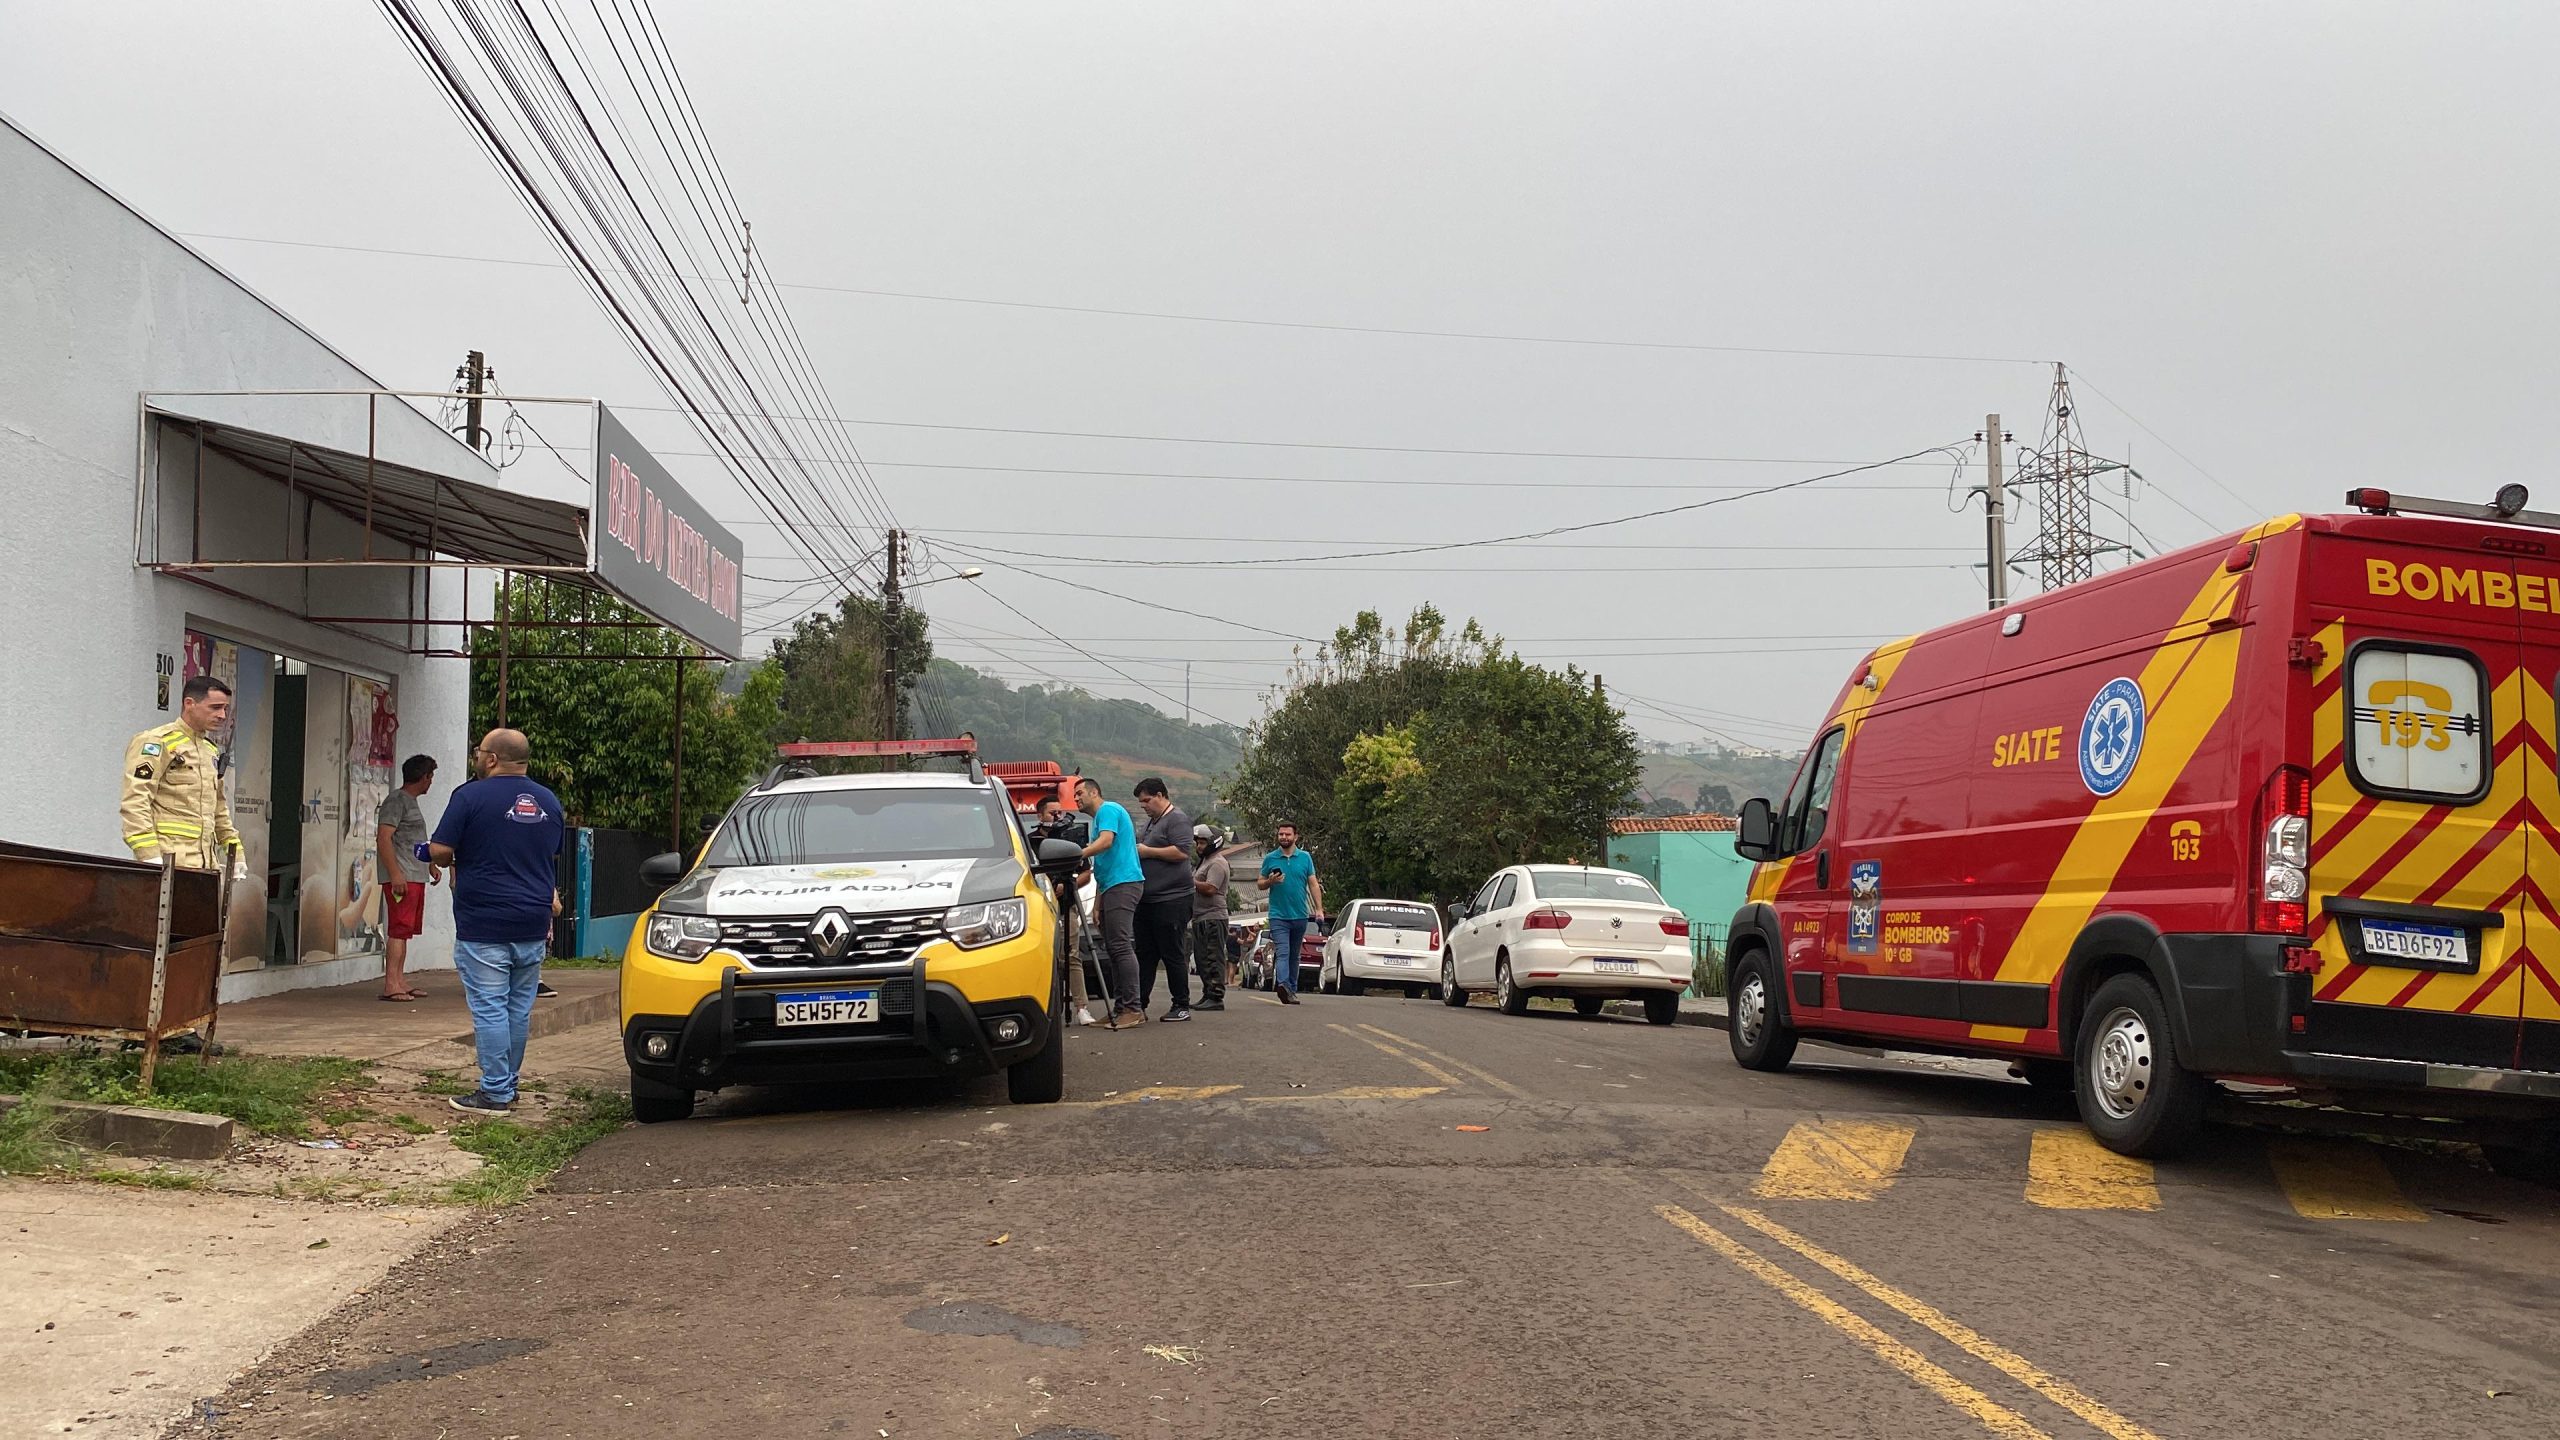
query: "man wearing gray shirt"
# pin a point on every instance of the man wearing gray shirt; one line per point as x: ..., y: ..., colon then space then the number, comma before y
x: 399, y: 829
x: 1209, y: 917
x: 1164, y: 905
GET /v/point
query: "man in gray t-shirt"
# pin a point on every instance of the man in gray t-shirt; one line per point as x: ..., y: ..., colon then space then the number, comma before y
x: 1209, y: 917
x: 1164, y: 906
x: 399, y: 829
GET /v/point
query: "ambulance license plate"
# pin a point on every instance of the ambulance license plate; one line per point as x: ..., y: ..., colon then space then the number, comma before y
x: 1614, y: 967
x: 826, y: 1007
x: 2426, y: 944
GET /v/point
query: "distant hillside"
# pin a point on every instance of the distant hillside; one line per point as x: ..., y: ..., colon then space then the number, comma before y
x: 1118, y: 742
x: 1676, y: 778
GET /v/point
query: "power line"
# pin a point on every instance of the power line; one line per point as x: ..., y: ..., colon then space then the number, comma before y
x: 1551, y: 530
x: 1201, y: 319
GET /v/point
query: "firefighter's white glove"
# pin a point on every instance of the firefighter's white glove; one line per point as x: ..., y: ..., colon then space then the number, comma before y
x: 239, y: 868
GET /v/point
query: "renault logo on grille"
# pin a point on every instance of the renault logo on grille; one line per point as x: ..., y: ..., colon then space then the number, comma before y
x: 830, y: 933
x: 1617, y: 922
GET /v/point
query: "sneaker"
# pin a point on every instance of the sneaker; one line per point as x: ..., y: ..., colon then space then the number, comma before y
x: 542, y: 991
x: 1210, y: 1005
x: 1172, y: 1015
x: 480, y: 1103
x: 1128, y: 1018
x: 1288, y: 996
x: 1077, y: 1016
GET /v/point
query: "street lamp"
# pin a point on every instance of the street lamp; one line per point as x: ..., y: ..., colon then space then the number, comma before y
x: 972, y: 573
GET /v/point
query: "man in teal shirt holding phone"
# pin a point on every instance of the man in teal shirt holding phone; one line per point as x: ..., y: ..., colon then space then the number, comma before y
x: 1289, y: 876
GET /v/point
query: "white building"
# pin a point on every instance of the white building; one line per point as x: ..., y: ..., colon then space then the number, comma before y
x: 163, y: 522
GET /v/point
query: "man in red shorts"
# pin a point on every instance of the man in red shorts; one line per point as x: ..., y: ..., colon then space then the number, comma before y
x: 400, y: 829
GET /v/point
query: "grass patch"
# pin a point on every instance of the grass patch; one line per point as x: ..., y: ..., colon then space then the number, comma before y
x: 442, y: 1082
x: 584, y: 962
x: 29, y: 1140
x: 518, y: 1157
x: 408, y: 1124
x: 270, y: 1095
x: 149, y: 1179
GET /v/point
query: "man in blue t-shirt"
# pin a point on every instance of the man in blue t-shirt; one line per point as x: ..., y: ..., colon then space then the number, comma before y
x: 1118, y: 881
x: 1289, y: 874
x: 501, y: 834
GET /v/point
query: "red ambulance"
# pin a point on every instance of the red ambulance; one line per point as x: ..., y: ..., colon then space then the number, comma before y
x: 2277, y: 809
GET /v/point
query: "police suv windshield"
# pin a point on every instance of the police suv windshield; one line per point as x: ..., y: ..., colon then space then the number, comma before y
x: 827, y: 827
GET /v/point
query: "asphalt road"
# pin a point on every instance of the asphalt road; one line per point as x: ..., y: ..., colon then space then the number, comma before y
x: 1365, y: 1217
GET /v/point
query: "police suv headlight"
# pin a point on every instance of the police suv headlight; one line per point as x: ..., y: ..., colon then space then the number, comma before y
x: 974, y: 927
x: 682, y: 937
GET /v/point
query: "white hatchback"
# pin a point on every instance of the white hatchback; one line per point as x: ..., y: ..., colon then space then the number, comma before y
x: 1393, y: 943
x: 1587, y: 934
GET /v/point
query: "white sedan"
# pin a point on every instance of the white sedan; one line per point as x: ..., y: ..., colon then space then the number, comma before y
x: 1574, y: 931
x: 1382, y: 942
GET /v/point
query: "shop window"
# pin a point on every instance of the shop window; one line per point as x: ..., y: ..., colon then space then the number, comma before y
x: 2418, y: 723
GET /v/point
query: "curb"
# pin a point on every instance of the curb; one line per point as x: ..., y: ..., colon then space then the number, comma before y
x: 569, y: 1015
x: 140, y: 1130
x: 1708, y: 1019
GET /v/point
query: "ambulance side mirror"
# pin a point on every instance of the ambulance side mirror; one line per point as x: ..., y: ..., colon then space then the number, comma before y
x: 1755, y: 833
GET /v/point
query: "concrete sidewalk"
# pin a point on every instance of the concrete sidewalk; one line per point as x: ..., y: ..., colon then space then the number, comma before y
x: 355, y: 1022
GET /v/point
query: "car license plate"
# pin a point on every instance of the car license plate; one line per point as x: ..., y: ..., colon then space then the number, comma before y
x: 826, y: 1007
x: 2427, y: 944
x: 1614, y: 967
x: 1397, y: 959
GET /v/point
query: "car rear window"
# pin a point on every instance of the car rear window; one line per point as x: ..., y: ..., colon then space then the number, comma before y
x: 2418, y: 723
x: 1592, y: 885
x: 827, y: 827
x: 1403, y: 917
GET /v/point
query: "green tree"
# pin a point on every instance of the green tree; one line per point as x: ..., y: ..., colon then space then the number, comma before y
x: 1715, y: 799
x: 831, y: 666
x: 602, y: 727
x: 1415, y: 763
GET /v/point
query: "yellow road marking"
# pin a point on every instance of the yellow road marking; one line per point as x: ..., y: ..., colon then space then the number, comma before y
x: 1496, y: 1081
x: 1417, y: 1062
x: 1841, y: 1160
x: 2338, y: 1182
x: 1964, y: 1337
x: 1990, y: 1414
x: 2070, y: 1170
x: 1166, y: 1092
x: 1365, y: 1092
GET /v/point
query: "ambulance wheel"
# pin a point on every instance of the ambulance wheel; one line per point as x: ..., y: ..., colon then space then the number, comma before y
x: 2134, y: 1095
x: 1042, y: 1079
x: 1587, y: 1006
x: 1450, y: 994
x: 655, y: 1104
x: 1512, y: 999
x: 1761, y: 1041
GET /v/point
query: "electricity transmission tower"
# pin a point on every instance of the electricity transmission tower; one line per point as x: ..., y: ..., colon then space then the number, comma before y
x: 2059, y: 472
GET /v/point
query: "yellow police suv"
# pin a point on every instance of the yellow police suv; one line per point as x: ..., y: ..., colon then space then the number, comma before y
x: 849, y: 927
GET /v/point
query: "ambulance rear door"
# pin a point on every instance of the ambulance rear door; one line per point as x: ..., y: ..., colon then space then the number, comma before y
x: 2538, y: 608
x: 2423, y: 756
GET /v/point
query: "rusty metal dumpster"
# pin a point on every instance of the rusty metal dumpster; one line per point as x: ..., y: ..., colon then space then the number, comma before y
x: 105, y: 947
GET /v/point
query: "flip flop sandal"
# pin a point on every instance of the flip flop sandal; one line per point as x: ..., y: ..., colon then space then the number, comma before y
x: 396, y: 999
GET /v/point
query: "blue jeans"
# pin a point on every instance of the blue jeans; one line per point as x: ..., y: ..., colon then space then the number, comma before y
x: 1285, y: 937
x: 498, y: 977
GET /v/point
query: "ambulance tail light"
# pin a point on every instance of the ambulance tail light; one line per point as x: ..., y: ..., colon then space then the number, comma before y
x: 1545, y: 920
x: 2284, y: 854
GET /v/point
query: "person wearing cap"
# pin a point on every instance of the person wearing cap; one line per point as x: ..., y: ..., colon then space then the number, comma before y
x: 1209, y: 917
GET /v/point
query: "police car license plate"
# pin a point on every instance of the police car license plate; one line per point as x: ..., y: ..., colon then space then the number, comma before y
x: 826, y: 1007
x: 2427, y: 944
x: 1614, y: 967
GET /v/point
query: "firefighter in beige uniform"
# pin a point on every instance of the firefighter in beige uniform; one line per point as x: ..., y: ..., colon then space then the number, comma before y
x: 173, y: 789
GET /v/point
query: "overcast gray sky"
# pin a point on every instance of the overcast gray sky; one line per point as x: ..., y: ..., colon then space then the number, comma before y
x: 2308, y: 245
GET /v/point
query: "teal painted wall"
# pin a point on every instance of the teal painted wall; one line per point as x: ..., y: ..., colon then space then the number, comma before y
x: 1696, y: 871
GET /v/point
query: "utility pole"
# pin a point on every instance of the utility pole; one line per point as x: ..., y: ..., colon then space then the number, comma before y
x: 1995, y: 511
x: 1186, y: 692
x: 2060, y: 472
x: 475, y: 375
x: 892, y: 612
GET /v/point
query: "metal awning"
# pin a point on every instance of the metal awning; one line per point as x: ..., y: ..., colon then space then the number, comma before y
x: 409, y: 507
